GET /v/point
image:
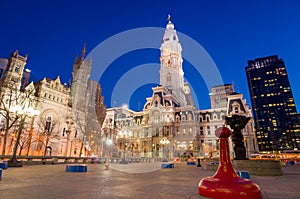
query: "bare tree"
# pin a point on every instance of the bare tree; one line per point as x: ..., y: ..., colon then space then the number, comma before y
x: 11, y: 96
x: 24, y: 142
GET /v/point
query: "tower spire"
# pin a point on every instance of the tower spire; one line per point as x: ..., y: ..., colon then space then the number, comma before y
x: 76, y: 58
x: 171, y: 73
x: 83, y: 51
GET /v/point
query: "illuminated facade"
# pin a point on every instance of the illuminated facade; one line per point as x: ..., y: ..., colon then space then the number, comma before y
x: 70, y: 118
x: 275, y: 114
x: 218, y: 95
x: 170, y: 114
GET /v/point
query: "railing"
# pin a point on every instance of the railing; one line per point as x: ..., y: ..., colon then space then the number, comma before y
x: 129, y: 160
x: 66, y: 159
x: 48, y: 159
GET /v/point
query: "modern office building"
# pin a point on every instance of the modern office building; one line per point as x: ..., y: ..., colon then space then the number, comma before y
x: 275, y: 114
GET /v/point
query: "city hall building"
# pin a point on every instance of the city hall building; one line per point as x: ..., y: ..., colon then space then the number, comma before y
x: 73, y: 120
x: 170, y: 124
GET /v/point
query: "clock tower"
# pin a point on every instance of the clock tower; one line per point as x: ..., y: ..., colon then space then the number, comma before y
x: 171, y: 73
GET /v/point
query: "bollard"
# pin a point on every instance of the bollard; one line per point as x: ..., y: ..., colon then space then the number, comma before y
x: 243, y: 174
x: 4, y: 165
x: 0, y: 173
x: 198, y: 160
x: 226, y: 184
x: 191, y: 163
x: 167, y: 165
x: 76, y: 168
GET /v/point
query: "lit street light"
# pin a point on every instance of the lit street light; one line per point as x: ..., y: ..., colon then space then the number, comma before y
x: 123, y: 135
x: 69, y: 123
x: 108, y: 143
x: 164, y: 141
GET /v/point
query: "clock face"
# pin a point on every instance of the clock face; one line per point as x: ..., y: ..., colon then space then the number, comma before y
x: 186, y: 89
x: 14, y: 79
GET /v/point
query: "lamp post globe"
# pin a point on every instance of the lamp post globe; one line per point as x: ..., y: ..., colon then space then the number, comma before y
x: 164, y: 141
x: 108, y: 143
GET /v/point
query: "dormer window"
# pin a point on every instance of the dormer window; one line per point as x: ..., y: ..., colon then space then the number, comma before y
x: 236, y: 109
x: 17, y: 68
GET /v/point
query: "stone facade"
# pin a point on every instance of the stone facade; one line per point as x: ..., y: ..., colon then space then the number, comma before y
x: 170, y: 114
x: 64, y: 126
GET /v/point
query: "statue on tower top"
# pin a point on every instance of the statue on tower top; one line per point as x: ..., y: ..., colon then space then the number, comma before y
x: 169, y: 18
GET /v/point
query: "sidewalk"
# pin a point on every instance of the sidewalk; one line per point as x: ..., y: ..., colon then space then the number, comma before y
x: 51, y: 181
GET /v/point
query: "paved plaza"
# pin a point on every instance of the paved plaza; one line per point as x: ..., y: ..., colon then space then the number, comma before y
x: 134, y: 180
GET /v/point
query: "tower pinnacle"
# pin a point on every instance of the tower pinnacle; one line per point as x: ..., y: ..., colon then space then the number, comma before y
x: 170, y: 25
x: 171, y: 73
x: 83, y: 51
x: 169, y: 18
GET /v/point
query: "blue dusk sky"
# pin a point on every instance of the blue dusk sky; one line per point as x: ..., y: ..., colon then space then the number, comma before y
x: 52, y: 32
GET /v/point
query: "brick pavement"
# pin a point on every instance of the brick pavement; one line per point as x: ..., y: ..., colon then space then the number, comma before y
x: 52, y: 182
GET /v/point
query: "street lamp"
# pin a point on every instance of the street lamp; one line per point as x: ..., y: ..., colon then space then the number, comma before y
x: 164, y: 141
x: 123, y: 135
x: 237, y: 123
x: 69, y: 123
x: 21, y: 113
x: 108, y: 143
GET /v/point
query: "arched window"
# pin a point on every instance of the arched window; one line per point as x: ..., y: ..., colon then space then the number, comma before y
x: 183, y: 118
x: 215, y: 117
x: 190, y: 117
x: 200, y: 118
x: 207, y: 118
x: 177, y: 118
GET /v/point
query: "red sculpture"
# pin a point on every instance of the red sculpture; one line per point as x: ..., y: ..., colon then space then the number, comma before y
x: 226, y: 183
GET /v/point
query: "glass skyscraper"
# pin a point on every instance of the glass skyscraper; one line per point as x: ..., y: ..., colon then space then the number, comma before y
x: 275, y: 115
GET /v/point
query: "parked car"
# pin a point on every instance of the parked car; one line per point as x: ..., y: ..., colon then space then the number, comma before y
x: 97, y: 160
